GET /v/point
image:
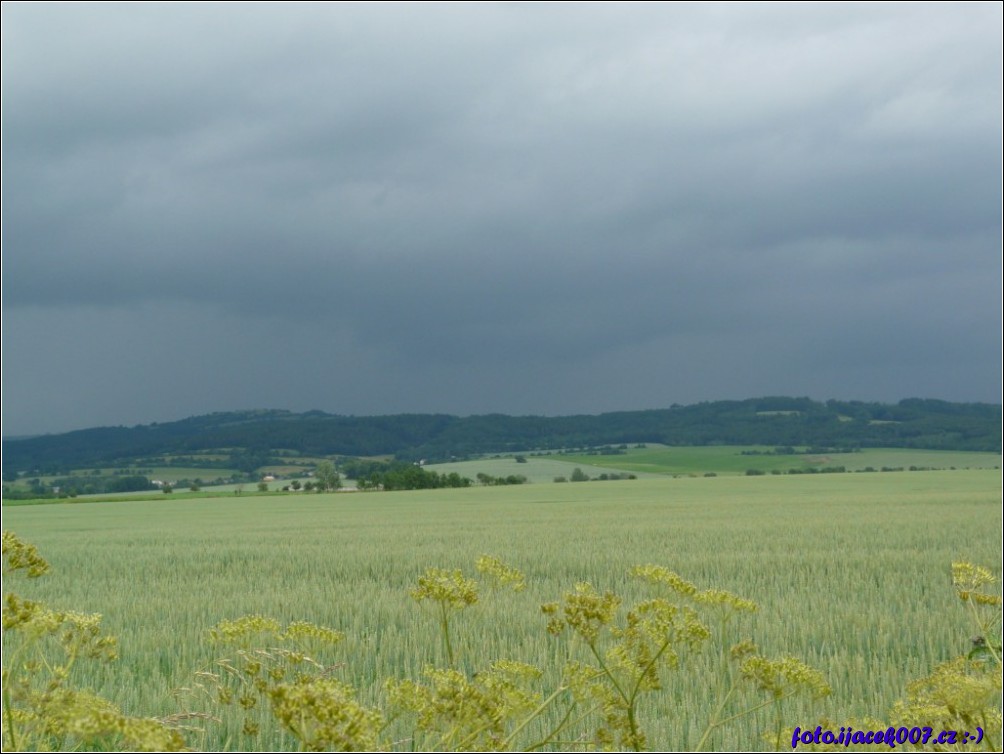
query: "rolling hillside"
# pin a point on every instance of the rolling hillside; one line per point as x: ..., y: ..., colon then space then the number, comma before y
x: 250, y: 439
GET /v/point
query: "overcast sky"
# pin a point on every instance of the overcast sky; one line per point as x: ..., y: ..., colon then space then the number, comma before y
x: 516, y: 208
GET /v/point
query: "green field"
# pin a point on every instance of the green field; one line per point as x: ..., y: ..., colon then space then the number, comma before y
x: 660, y: 460
x: 537, y: 469
x: 851, y: 572
x: 730, y: 459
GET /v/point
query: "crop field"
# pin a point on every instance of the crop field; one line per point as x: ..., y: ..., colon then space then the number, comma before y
x: 537, y: 469
x: 729, y: 459
x: 851, y: 573
x: 655, y: 460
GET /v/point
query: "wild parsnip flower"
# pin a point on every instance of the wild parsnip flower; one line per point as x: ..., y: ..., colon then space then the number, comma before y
x: 616, y: 730
x: 656, y: 574
x: 23, y: 556
x: 452, y: 592
x: 302, y: 630
x: 252, y: 667
x: 78, y: 633
x: 244, y: 629
x: 469, y: 713
x: 19, y: 613
x: 84, y: 720
x: 743, y: 649
x: 655, y: 630
x: 324, y: 715
x: 783, y: 677
x: 449, y: 588
x: 81, y: 636
x: 721, y: 598
x: 957, y: 694
x: 146, y: 734
x: 515, y: 669
x: 500, y: 574
x: 969, y: 580
x: 584, y: 611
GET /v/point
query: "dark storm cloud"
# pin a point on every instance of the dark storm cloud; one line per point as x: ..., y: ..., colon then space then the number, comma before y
x: 521, y: 208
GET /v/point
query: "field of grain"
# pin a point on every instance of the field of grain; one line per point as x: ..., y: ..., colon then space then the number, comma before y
x: 655, y: 460
x: 851, y: 573
x: 537, y: 469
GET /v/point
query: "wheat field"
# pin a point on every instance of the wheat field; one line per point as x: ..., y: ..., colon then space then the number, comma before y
x: 850, y: 571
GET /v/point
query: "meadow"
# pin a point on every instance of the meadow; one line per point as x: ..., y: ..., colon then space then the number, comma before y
x: 851, y: 573
x: 655, y: 460
x: 731, y: 459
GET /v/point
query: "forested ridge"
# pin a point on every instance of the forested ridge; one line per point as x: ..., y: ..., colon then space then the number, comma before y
x: 782, y: 421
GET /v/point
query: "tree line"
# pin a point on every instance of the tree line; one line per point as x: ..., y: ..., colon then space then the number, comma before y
x: 256, y: 438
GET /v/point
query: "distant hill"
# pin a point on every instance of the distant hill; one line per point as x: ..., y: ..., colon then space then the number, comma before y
x: 250, y: 438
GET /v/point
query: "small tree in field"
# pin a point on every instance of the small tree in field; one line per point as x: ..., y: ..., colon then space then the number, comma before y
x: 326, y: 476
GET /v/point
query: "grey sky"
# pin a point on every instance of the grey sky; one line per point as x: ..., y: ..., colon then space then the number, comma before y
x: 521, y: 208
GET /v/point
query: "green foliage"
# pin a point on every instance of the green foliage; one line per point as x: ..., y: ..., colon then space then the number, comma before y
x: 408, y: 476
x: 326, y: 477
x: 498, y: 481
x: 253, y: 439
